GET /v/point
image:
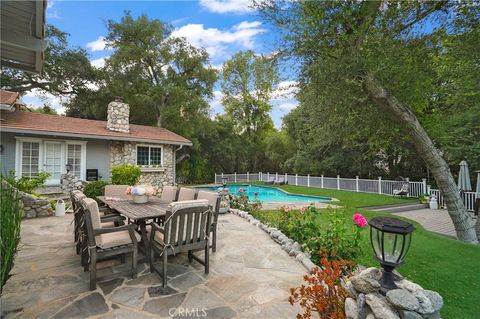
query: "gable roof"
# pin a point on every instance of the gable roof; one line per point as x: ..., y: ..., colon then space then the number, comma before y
x: 56, y: 125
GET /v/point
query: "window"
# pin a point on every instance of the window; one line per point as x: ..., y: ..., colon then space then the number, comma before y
x: 30, y: 158
x: 149, y: 155
x: 74, y: 158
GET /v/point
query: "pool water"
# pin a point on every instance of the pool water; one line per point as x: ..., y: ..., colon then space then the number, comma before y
x: 269, y: 194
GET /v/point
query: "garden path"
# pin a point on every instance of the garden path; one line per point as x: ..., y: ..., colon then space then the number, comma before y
x: 434, y: 220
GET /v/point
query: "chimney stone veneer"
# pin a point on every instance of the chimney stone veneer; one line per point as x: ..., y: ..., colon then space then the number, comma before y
x: 118, y: 115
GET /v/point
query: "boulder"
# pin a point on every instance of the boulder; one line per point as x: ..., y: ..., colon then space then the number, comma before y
x: 365, y: 284
x: 435, y: 299
x: 403, y: 299
x: 410, y: 315
x: 349, y: 288
x: 380, y: 307
x: 361, y: 306
x: 426, y: 306
x: 372, y: 272
x: 351, y: 311
x: 29, y: 199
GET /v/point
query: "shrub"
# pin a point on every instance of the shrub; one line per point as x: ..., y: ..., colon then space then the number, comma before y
x: 27, y: 184
x: 125, y: 174
x: 94, y: 189
x: 323, y: 292
x: 242, y: 201
x: 10, y: 217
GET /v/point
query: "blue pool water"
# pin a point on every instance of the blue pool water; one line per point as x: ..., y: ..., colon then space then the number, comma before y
x: 269, y: 194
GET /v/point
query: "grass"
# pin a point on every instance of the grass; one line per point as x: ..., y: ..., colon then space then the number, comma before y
x: 436, y: 262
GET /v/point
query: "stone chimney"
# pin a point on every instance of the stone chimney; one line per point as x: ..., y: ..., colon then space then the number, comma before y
x: 118, y: 115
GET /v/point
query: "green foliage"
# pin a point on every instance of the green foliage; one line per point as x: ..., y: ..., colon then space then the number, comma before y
x: 27, y: 184
x: 126, y: 174
x: 243, y: 202
x: 10, y: 219
x: 94, y: 189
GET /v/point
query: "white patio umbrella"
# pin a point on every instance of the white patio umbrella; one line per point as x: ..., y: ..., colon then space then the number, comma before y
x: 464, y: 177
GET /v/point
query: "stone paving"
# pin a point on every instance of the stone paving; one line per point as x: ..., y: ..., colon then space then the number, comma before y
x: 434, y: 220
x: 250, y: 277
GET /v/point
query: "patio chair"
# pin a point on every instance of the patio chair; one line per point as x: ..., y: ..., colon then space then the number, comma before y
x: 280, y: 181
x: 107, y: 242
x: 115, y: 190
x: 186, y: 194
x: 271, y: 180
x: 186, y: 229
x: 214, y: 201
x: 169, y: 193
x: 403, y: 191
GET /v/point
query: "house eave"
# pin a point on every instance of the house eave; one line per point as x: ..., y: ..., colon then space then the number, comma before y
x: 96, y: 137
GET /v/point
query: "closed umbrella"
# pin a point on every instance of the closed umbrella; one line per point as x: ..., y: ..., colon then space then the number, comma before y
x: 464, y: 177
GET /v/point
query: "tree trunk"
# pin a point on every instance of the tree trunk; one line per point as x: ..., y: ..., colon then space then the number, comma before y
x: 425, y: 148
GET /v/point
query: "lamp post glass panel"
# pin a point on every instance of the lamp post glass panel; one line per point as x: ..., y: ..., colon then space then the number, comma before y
x: 390, y: 238
x: 224, y: 181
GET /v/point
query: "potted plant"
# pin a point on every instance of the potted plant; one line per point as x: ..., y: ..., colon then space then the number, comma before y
x: 224, y: 207
x: 424, y: 197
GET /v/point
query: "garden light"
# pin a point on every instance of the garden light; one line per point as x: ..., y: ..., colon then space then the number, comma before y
x: 224, y: 181
x: 390, y: 238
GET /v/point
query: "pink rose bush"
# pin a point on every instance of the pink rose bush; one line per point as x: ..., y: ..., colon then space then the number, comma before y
x: 359, y: 220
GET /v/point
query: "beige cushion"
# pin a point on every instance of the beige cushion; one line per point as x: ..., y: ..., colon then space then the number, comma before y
x: 169, y: 193
x: 116, y: 239
x: 115, y: 190
x: 159, y: 237
x: 92, y: 206
x: 186, y: 194
x: 175, y: 206
x: 108, y: 224
x: 210, y: 196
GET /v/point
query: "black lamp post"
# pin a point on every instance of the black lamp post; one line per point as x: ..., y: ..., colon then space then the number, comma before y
x: 68, y: 167
x: 391, y: 240
x: 224, y: 181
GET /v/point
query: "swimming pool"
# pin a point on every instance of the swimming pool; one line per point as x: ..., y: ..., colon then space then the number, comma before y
x: 269, y: 194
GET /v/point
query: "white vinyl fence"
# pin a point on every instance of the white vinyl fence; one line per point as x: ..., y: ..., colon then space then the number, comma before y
x: 377, y: 186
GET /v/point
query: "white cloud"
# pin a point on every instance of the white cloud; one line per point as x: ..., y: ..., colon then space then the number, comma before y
x: 288, y: 106
x: 98, y: 63
x: 285, y: 90
x: 97, y: 45
x: 52, y: 12
x: 227, y: 6
x: 217, y: 42
x: 37, y: 98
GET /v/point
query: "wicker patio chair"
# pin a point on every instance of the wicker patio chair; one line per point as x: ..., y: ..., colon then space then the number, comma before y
x: 169, y: 193
x: 186, y: 229
x: 214, y: 201
x: 186, y: 194
x: 107, y: 242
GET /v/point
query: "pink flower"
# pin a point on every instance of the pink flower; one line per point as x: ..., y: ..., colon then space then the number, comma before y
x: 359, y: 220
x: 287, y: 209
x: 303, y: 210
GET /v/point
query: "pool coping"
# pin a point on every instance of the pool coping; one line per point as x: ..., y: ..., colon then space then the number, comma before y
x: 332, y: 199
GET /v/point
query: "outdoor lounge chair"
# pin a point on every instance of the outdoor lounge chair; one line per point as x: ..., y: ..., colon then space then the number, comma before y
x: 186, y: 194
x: 403, y: 191
x: 169, y: 193
x: 186, y: 229
x: 107, y: 242
x: 280, y: 181
x: 214, y: 201
x: 271, y: 180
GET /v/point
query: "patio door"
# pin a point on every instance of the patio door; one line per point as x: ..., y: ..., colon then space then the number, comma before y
x: 54, y: 161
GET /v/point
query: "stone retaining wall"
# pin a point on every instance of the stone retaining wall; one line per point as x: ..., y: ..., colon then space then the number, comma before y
x: 34, y: 206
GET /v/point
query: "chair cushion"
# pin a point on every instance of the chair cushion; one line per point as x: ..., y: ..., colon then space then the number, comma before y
x: 186, y: 194
x: 169, y: 193
x: 173, y: 207
x: 116, y: 239
x: 210, y: 196
x: 108, y: 224
x: 159, y: 237
x: 92, y: 206
x: 115, y: 190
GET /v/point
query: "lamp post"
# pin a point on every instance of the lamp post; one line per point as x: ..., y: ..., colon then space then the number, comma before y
x: 224, y: 181
x: 68, y: 167
x: 390, y: 238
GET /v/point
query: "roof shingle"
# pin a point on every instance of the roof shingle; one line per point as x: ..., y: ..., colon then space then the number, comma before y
x: 70, y: 126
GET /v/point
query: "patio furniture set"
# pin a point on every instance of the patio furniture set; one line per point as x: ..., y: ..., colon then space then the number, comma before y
x: 180, y: 220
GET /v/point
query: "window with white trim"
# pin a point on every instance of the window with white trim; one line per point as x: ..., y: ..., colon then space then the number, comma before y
x: 74, y: 158
x: 149, y: 155
x: 30, y: 158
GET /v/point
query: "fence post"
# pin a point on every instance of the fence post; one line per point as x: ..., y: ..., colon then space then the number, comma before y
x: 356, y: 184
x: 220, y: 181
x: 424, y: 185
x: 321, y: 181
x: 248, y: 177
x: 276, y: 176
x: 215, y: 180
x: 379, y: 184
x: 296, y: 179
x: 268, y: 176
x: 286, y: 178
x: 260, y: 179
x: 308, y: 180
x: 235, y: 178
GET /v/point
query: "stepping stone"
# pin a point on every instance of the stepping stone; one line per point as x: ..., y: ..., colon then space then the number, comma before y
x: 186, y: 281
x: 202, y: 298
x: 221, y: 313
x: 110, y: 285
x: 90, y: 305
x: 129, y: 296
x: 161, y: 306
x: 161, y: 291
x: 149, y: 279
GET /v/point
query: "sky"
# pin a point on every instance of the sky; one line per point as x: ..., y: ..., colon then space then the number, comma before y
x: 222, y: 27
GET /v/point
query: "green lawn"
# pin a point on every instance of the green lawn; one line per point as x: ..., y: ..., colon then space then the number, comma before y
x: 435, y: 262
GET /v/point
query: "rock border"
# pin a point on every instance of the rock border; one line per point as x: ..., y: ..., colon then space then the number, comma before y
x: 293, y: 248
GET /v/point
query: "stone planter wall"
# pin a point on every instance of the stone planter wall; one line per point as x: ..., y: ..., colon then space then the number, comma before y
x: 410, y: 301
x: 35, y: 207
x: 69, y: 182
x: 126, y: 153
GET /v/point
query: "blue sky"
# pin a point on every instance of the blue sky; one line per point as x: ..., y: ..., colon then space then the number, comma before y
x: 223, y: 27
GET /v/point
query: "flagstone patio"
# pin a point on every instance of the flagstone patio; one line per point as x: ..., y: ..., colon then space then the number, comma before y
x: 250, y: 277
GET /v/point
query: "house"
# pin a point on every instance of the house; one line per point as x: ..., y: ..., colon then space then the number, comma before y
x: 34, y: 142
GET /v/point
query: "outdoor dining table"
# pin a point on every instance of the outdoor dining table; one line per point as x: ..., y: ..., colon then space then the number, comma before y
x: 155, y: 208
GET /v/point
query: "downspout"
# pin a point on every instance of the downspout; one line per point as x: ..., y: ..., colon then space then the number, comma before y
x: 175, y: 164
